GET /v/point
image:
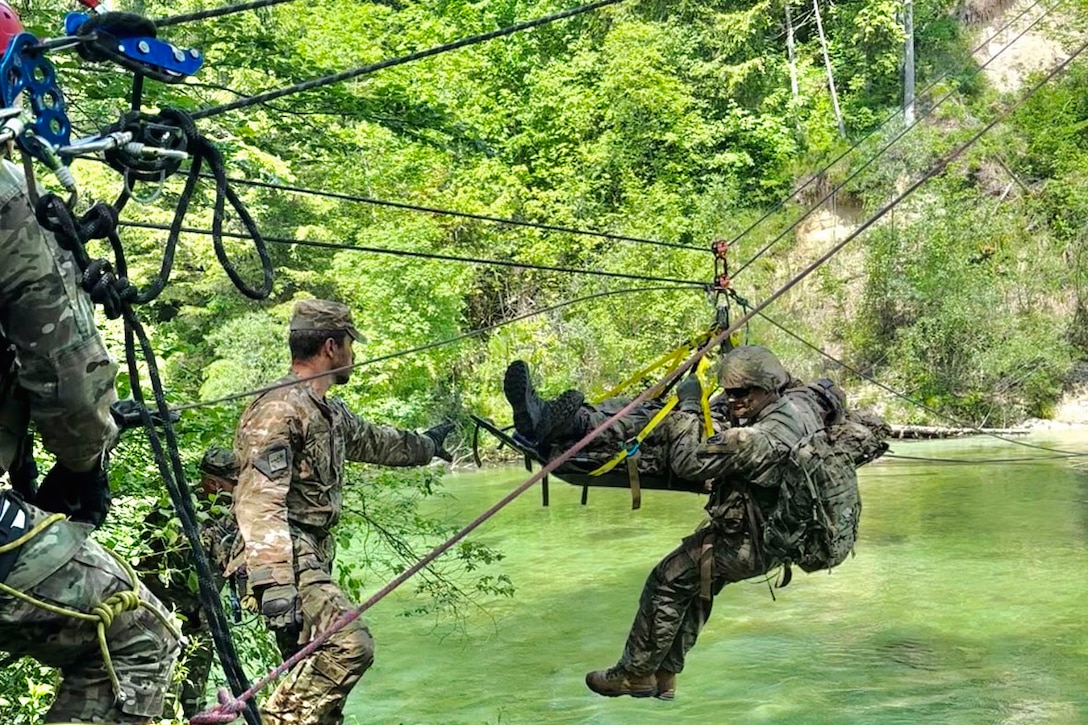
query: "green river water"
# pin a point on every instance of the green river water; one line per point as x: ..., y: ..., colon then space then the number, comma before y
x: 964, y: 605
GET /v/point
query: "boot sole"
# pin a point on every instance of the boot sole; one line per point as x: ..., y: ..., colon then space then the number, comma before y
x: 518, y: 389
x: 557, y: 415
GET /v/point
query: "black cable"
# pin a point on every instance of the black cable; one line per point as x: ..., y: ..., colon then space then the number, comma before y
x: 880, y: 152
x: 976, y: 461
x: 364, y: 70
x: 216, y: 12
x: 116, y: 295
x: 908, y: 399
x: 428, y: 346
x: 462, y: 214
x: 431, y: 255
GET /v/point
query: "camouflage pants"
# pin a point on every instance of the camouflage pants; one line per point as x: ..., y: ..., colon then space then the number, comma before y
x: 143, y: 651
x: 671, y: 612
x: 315, y: 690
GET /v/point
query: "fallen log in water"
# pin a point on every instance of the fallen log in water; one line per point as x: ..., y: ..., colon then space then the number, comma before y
x: 936, y: 431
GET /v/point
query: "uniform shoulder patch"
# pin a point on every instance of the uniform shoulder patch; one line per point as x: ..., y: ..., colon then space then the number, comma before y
x: 274, y: 460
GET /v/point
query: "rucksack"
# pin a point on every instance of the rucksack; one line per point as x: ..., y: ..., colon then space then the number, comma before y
x: 814, y: 522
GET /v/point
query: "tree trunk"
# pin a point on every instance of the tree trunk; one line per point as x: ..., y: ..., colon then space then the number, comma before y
x: 830, y: 74
x: 908, y: 63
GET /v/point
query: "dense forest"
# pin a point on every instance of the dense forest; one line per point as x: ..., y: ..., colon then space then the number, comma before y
x: 662, y: 127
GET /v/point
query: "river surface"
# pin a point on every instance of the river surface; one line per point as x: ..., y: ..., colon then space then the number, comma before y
x: 965, y: 605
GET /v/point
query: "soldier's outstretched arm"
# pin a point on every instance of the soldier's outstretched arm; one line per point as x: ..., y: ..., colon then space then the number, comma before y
x: 63, y: 365
x: 265, y: 448
x: 733, y: 452
x: 369, y: 443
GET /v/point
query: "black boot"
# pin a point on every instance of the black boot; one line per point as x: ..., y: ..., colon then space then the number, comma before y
x: 541, y: 421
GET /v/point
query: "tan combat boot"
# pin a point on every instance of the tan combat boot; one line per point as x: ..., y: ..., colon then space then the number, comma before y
x: 666, y: 685
x: 616, y: 681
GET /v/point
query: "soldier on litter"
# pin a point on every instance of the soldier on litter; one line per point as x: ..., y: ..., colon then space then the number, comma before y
x: 780, y: 494
x: 291, y: 445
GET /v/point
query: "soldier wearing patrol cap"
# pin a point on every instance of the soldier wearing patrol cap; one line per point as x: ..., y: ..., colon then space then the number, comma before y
x: 291, y: 445
x: 167, y: 568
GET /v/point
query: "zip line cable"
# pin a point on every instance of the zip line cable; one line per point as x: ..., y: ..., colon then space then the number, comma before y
x: 389, y: 63
x: 216, y: 12
x: 461, y: 214
x: 227, y: 707
x: 879, y: 153
x: 429, y: 255
x: 428, y: 346
x: 976, y: 461
x: 917, y: 403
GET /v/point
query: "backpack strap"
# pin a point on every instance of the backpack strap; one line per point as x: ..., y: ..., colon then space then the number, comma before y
x: 14, y: 521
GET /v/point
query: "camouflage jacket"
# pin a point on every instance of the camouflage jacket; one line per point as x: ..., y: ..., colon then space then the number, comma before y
x: 63, y: 376
x: 744, y: 458
x: 291, y: 445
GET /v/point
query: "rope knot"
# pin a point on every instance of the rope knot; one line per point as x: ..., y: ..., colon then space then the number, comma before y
x: 116, y: 605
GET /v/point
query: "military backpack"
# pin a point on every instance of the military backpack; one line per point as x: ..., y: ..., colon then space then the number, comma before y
x: 814, y: 522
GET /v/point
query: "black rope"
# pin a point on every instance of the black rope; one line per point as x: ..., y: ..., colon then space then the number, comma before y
x: 879, y: 153
x: 433, y: 255
x: 217, y: 12
x: 116, y: 296
x: 428, y: 346
x: 917, y: 403
x: 462, y: 214
x: 418, y: 55
x: 976, y: 461
x: 202, y: 151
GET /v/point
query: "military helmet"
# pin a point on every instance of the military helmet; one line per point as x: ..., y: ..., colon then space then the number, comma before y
x: 752, y: 366
x: 219, y: 462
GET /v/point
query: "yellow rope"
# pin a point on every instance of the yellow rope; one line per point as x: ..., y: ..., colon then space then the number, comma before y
x: 104, y: 613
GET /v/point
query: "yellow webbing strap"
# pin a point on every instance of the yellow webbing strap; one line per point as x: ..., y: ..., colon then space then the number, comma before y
x: 103, y: 613
x: 670, y: 361
x: 632, y: 447
x: 709, y: 384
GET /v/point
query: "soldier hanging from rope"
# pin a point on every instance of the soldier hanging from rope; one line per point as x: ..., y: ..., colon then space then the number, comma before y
x: 65, y: 600
x: 780, y: 473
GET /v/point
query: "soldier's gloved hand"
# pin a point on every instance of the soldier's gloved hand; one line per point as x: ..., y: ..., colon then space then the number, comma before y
x: 128, y: 414
x: 690, y: 394
x: 83, y: 496
x: 438, y: 435
x: 281, y: 605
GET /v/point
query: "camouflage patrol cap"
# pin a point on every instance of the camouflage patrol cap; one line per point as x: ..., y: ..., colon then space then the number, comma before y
x: 752, y: 366
x: 219, y: 462
x: 323, y: 315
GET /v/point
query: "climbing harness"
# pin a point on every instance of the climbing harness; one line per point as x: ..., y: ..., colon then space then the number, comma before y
x: 102, y: 614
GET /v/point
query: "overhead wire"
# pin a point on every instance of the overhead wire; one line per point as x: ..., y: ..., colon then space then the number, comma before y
x: 428, y: 255
x: 216, y: 12
x: 346, y: 75
x: 422, y: 348
x: 882, y: 150
x: 464, y: 215
x: 913, y: 401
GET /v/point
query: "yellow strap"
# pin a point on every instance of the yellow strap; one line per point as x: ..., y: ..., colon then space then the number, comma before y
x: 709, y: 384
x: 671, y: 360
x: 631, y: 449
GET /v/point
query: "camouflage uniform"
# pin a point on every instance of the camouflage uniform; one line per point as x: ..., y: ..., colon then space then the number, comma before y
x: 743, y: 463
x: 169, y: 574
x: 669, y: 450
x: 291, y: 445
x: 63, y: 382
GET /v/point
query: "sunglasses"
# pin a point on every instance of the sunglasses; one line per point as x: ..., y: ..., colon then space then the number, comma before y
x: 736, y: 393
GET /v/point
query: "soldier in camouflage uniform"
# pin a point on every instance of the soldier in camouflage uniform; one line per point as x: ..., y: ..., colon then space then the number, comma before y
x: 743, y: 464
x: 291, y: 445
x: 62, y: 382
x: 168, y: 572
x: 553, y: 425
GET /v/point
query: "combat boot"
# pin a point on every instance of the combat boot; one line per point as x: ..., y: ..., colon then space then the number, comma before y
x: 665, y: 685
x: 616, y: 681
x: 539, y: 420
